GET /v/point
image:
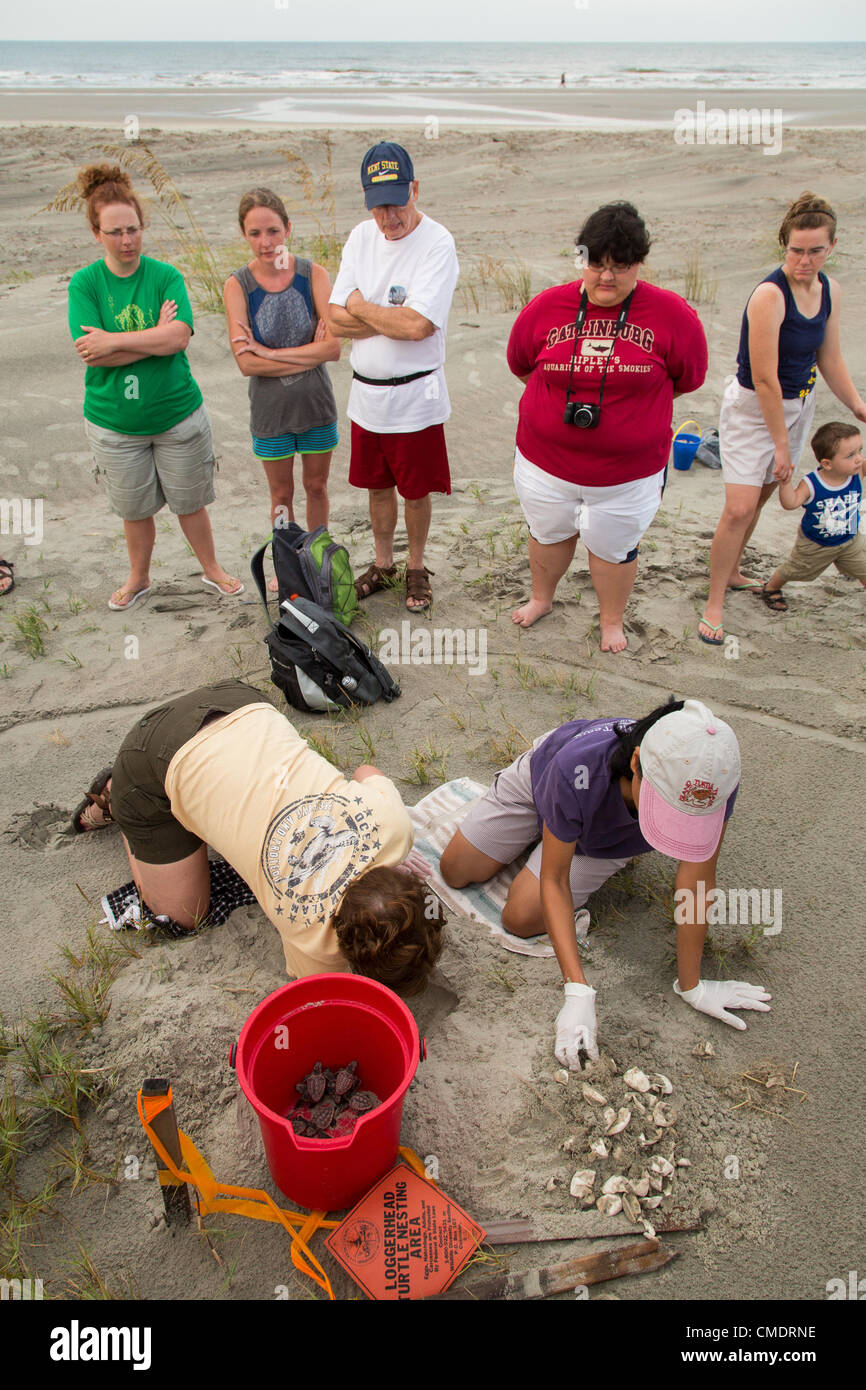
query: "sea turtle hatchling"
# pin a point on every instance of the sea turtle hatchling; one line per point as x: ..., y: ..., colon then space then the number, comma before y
x: 329, y: 1102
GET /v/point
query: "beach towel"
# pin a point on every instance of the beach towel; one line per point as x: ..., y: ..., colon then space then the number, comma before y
x: 435, y: 818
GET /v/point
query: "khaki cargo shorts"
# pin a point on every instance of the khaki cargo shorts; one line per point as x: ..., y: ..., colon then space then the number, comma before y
x: 143, y: 472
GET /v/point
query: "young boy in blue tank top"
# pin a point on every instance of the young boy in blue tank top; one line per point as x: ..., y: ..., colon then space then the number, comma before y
x: 829, y: 531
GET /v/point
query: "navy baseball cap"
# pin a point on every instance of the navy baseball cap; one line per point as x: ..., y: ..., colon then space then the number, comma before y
x: 386, y: 173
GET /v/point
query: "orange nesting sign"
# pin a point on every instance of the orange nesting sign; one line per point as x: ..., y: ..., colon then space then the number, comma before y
x: 405, y: 1239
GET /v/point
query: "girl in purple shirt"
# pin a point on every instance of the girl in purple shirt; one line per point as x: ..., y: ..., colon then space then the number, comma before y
x: 591, y: 795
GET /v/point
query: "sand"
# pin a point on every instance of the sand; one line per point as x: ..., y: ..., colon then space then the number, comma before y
x: 485, y: 1103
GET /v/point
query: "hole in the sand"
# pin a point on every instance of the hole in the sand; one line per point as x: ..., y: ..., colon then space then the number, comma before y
x: 45, y: 827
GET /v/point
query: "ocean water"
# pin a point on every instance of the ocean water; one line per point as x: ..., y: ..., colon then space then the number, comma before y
x: 324, y: 67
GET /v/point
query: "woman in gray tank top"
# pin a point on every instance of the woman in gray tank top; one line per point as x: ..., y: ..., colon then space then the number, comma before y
x: 275, y: 307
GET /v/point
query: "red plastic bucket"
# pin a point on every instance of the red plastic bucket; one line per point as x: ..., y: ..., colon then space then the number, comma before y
x: 334, y: 1018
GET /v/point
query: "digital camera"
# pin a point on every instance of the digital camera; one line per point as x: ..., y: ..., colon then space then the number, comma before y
x: 584, y: 416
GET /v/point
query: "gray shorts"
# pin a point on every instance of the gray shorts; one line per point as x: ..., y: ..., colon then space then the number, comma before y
x: 505, y: 823
x: 143, y: 472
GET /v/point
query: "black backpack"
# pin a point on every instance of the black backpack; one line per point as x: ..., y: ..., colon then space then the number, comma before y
x: 316, y: 661
x: 312, y: 564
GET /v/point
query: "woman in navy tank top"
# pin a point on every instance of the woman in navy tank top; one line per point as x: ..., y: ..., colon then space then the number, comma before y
x: 789, y: 333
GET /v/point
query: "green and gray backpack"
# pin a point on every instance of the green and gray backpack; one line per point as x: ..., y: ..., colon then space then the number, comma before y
x: 311, y: 564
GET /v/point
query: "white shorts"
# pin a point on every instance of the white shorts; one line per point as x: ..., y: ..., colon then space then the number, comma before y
x: 748, y: 452
x: 609, y: 520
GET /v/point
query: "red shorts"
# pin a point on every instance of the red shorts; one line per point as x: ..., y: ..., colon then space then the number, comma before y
x: 415, y: 463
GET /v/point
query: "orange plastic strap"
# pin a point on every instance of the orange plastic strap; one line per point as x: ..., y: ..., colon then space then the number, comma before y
x: 243, y: 1201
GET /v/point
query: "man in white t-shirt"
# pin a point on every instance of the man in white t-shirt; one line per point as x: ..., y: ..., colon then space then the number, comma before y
x: 392, y: 297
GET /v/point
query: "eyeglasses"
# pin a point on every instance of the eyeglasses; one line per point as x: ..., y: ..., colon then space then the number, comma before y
x: 597, y: 269
x: 799, y: 253
x: 120, y: 231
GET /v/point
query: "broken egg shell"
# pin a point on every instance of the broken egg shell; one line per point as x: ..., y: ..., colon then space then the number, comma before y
x: 656, y: 1182
x: 616, y: 1184
x: 640, y: 1188
x: 647, y: 1141
x: 631, y: 1207
x: 684, y: 1163
x: 599, y: 1148
x: 704, y: 1049
x: 592, y: 1095
x: 662, y: 1166
x: 609, y: 1205
x: 582, y: 1182
x: 662, y: 1085
x: 636, y: 1079
x: 561, y: 1076
x: 622, y: 1118
x: 608, y: 1115
x: 652, y: 1202
x: 648, y: 1229
x: 663, y: 1115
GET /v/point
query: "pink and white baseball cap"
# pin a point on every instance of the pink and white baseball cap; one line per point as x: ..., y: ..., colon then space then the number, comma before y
x: 690, y: 763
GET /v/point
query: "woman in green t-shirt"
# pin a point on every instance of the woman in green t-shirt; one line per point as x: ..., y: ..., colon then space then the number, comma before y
x: 131, y: 321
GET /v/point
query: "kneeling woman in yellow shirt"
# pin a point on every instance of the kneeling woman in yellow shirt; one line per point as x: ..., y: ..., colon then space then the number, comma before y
x: 222, y: 767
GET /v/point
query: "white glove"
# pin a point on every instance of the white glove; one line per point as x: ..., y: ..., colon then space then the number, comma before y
x: 576, y: 1026
x: 715, y: 997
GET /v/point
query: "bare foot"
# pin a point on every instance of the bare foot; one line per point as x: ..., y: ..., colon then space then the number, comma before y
x: 529, y: 612
x: 613, y: 639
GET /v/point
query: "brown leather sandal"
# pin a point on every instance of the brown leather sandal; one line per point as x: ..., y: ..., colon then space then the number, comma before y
x: 417, y: 587
x: 83, y: 819
x: 373, y: 579
x: 773, y: 599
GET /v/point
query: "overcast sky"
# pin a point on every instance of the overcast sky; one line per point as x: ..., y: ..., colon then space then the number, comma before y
x: 382, y: 20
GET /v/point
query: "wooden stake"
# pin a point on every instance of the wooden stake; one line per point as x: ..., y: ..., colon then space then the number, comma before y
x: 613, y: 1263
x: 175, y: 1193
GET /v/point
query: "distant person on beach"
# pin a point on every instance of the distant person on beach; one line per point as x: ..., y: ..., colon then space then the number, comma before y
x: 150, y: 434
x: 562, y: 80
x: 277, y: 308
x: 392, y: 297
x: 830, y: 499
x: 603, y: 359
x: 789, y: 333
x: 590, y: 796
x: 222, y: 767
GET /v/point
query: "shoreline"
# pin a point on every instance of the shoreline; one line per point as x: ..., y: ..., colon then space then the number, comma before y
x: 556, y: 109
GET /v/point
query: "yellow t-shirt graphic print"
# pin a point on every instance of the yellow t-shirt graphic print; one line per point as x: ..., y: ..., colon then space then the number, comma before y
x: 313, y: 849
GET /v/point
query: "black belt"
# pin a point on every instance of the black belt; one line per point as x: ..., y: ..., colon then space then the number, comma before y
x: 391, y: 380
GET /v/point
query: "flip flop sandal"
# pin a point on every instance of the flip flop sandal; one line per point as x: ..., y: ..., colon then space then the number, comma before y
x: 754, y: 584
x: 417, y: 587
x: 773, y: 599
x: 96, y: 796
x: 373, y: 579
x: 221, y: 588
x: 122, y: 607
x: 6, y: 568
x: 713, y: 641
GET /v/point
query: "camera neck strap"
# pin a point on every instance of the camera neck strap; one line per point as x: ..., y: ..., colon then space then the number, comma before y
x: 578, y: 328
